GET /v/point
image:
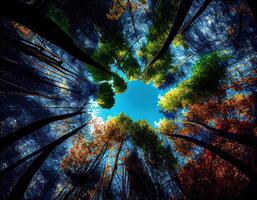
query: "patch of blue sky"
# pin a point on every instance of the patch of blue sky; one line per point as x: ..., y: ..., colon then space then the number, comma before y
x: 140, y: 102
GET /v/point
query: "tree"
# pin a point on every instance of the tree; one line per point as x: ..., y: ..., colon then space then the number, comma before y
x: 160, y: 24
x: 105, y: 95
x: 199, y: 12
x: 144, y: 136
x: 119, y: 84
x: 40, y: 24
x: 180, y: 16
x: 205, y: 80
x: 28, y: 129
x: 119, y: 7
x: 20, y: 187
x: 140, y: 183
x: 250, y: 173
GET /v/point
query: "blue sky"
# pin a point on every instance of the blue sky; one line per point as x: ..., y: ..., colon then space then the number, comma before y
x: 139, y: 102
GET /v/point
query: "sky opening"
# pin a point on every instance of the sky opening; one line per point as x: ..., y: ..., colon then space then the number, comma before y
x: 139, y: 101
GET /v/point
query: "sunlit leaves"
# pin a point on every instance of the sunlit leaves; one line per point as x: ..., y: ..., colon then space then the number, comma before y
x: 206, y: 76
x: 166, y: 127
x: 179, y: 41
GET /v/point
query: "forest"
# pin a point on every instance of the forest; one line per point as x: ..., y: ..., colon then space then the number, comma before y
x: 128, y: 100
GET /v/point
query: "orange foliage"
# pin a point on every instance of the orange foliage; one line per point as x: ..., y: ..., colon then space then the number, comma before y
x: 209, y: 177
x: 234, y: 114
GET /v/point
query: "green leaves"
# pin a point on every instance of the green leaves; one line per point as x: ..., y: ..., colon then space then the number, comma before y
x: 119, y: 84
x: 105, y: 95
x: 205, y: 80
x: 146, y: 138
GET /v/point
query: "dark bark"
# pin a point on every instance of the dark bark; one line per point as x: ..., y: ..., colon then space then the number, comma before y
x: 33, y: 51
x: 17, y: 89
x: 20, y: 187
x: 114, y: 169
x: 240, y: 165
x: 253, y: 8
x: 28, y: 129
x: 132, y: 16
x: 246, y: 140
x: 179, y: 19
x: 204, y: 6
x: 40, y: 24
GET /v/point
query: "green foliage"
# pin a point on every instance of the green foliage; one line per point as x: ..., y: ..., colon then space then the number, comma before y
x: 145, y: 137
x: 105, y: 95
x: 59, y: 17
x: 179, y: 40
x: 158, y: 31
x: 157, y: 73
x: 206, y: 76
x: 97, y: 74
x: 166, y: 126
x: 123, y: 122
x: 119, y: 84
x: 131, y: 67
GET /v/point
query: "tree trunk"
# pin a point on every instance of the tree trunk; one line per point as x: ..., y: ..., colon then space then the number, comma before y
x: 131, y: 16
x: 28, y: 129
x: 241, y: 139
x: 180, y: 16
x: 31, y: 18
x: 252, y: 6
x: 20, y: 187
x: 114, y: 169
x: 204, y: 6
x: 247, y: 171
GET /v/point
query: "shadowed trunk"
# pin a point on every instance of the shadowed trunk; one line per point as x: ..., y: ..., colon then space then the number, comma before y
x: 241, y: 166
x: 20, y: 187
x: 241, y: 139
x: 180, y: 17
x: 28, y: 129
x: 40, y: 24
x: 204, y: 6
x: 114, y: 169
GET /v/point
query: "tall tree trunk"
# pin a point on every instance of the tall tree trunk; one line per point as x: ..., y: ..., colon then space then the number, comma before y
x: 130, y: 6
x: 250, y: 173
x: 28, y: 129
x: 114, y: 169
x: 179, y: 19
x: 252, y: 6
x: 20, y: 187
x: 241, y: 139
x: 33, y: 51
x: 204, y: 6
x: 24, y: 91
x: 40, y: 24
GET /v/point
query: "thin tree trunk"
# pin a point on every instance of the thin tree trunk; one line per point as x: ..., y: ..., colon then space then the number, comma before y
x: 40, y: 24
x: 114, y: 169
x: 131, y: 16
x: 180, y: 16
x: 241, y: 166
x: 241, y: 139
x: 252, y: 6
x: 28, y: 129
x: 204, y: 6
x: 26, y: 91
x: 33, y: 51
x: 20, y: 187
